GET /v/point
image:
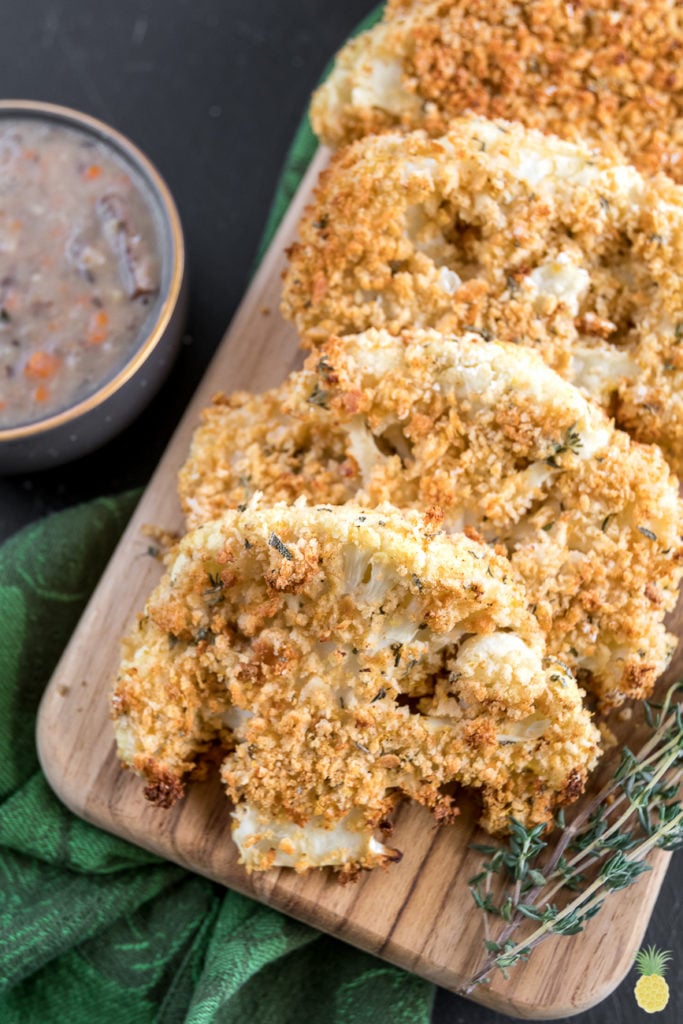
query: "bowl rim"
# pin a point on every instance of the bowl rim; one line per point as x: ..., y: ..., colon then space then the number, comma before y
x: 54, y: 111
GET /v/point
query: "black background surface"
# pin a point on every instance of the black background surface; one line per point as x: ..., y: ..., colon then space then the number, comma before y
x: 212, y: 91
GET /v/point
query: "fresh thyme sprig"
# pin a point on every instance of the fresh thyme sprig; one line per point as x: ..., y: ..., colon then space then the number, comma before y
x: 602, y: 849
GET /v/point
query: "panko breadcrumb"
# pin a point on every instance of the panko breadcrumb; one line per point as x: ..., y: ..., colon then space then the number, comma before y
x: 604, y: 70
x: 496, y: 442
x: 519, y: 236
x: 364, y: 656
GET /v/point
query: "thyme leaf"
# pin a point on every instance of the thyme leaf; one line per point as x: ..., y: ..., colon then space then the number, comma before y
x: 481, y: 331
x: 282, y: 549
x: 318, y: 396
x: 571, y: 442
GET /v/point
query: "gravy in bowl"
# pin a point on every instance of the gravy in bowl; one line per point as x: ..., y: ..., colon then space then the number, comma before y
x: 79, y: 267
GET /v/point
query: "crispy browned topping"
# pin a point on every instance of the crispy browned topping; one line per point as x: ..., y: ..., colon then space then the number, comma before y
x: 502, y: 447
x: 355, y: 656
x: 606, y: 70
x: 167, y: 706
x: 163, y: 789
x: 519, y: 236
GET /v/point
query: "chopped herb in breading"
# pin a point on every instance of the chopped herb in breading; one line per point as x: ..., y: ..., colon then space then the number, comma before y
x: 481, y: 331
x: 282, y: 549
x: 318, y: 397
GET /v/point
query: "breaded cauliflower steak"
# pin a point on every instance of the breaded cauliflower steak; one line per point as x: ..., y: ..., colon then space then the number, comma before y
x: 606, y: 70
x: 497, y: 441
x: 364, y: 656
x: 522, y: 237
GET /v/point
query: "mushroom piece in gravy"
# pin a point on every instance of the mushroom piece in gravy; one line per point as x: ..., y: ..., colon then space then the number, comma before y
x: 79, y: 267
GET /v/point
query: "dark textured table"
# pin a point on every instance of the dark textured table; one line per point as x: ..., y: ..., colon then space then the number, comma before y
x: 212, y: 90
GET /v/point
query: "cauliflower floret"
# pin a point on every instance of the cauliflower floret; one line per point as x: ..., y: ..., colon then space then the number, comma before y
x: 348, y: 845
x: 498, y: 443
x: 328, y: 632
x: 429, y: 61
x: 519, y: 236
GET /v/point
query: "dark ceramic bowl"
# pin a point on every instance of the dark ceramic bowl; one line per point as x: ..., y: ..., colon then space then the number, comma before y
x: 90, y: 422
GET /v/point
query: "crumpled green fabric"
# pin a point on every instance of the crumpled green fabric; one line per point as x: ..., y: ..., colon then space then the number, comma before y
x: 93, y: 929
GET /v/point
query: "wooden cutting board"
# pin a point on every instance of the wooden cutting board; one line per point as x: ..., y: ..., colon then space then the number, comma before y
x: 418, y: 914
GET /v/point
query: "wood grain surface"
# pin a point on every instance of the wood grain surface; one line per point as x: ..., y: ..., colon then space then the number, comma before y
x: 418, y: 914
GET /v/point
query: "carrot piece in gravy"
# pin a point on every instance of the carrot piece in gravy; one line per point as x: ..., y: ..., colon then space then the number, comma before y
x: 42, y: 366
x: 97, y: 331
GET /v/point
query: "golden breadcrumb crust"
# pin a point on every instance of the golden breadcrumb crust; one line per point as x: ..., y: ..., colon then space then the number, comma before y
x: 605, y: 70
x: 524, y: 238
x: 488, y: 438
x: 168, y: 708
x: 355, y: 656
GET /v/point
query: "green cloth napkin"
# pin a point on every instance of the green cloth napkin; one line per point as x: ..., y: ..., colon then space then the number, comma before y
x: 93, y: 929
